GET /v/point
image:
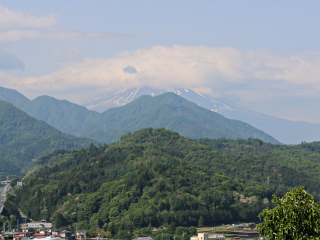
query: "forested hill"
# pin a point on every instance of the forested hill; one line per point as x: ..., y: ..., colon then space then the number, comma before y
x: 23, y: 138
x: 167, y: 110
x: 61, y: 114
x: 14, y: 97
x: 157, y: 177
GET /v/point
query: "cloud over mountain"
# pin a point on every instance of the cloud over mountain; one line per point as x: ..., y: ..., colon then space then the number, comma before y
x: 226, y: 72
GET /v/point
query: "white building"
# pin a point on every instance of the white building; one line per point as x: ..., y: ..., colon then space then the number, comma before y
x: 205, y: 236
x: 41, y: 224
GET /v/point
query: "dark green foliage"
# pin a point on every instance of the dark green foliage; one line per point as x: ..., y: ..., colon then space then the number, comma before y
x: 142, y: 232
x: 23, y: 138
x: 10, y: 207
x: 58, y: 220
x: 13, y: 182
x: 201, y: 222
x: 155, y: 176
x: 296, y: 216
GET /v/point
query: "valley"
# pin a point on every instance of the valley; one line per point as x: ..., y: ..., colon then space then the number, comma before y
x: 159, y: 161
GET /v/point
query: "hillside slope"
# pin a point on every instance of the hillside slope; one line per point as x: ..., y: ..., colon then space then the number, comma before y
x: 23, y: 138
x: 155, y: 176
x: 61, y: 114
x: 14, y: 97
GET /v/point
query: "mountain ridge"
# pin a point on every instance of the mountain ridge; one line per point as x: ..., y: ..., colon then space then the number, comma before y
x: 14, y: 97
x: 172, y: 112
x: 192, y: 121
x: 70, y: 115
x: 23, y: 139
x: 286, y: 131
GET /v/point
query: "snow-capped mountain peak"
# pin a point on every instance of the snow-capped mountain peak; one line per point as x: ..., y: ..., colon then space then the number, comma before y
x: 125, y: 96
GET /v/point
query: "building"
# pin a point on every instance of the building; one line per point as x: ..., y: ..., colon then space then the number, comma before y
x: 64, y: 235
x: 39, y: 235
x: 205, y: 236
x: 81, y: 234
x: 19, y: 184
x: 41, y: 224
x: 56, y: 232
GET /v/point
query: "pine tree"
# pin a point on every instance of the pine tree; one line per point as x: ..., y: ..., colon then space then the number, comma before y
x: 201, y: 222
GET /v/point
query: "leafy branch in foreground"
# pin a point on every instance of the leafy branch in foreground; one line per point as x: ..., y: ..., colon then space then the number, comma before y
x: 296, y: 216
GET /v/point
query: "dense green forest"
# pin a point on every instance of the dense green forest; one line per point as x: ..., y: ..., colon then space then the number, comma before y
x: 155, y: 177
x: 23, y: 139
x: 167, y: 110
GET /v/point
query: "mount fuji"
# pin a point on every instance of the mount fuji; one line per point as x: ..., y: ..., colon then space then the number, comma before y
x: 286, y: 131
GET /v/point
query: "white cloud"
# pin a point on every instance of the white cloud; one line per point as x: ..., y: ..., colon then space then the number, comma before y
x: 57, y: 34
x: 71, y: 53
x: 17, y: 26
x: 254, y: 74
x: 16, y: 19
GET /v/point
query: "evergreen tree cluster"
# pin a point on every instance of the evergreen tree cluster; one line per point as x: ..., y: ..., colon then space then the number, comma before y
x: 155, y: 177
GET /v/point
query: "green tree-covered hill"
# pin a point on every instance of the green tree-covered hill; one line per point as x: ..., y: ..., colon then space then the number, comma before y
x: 157, y: 177
x: 61, y: 114
x: 167, y: 110
x: 14, y: 97
x: 23, y: 138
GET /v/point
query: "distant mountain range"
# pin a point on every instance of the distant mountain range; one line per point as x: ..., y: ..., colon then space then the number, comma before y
x: 286, y: 131
x: 61, y: 114
x: 23, y: 138
x: 14, y: 97
x: 70, y: 118
x: 167, y: 110
x: 173, y: 112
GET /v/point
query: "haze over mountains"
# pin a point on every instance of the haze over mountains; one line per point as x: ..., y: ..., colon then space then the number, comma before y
x: 71, y: 118
x: 286, y: 131
x: 168, y: 110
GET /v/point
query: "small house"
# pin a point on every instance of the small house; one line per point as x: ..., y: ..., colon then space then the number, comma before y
x: 81, y: 234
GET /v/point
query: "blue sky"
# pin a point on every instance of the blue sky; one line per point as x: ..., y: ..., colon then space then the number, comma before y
x: 263, y: 55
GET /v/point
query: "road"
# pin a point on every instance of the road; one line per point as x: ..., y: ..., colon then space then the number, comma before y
x: 3, y: 191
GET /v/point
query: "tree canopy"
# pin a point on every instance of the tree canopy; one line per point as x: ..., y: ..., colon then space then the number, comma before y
x: 155, y: 176
x: 296, y: 216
